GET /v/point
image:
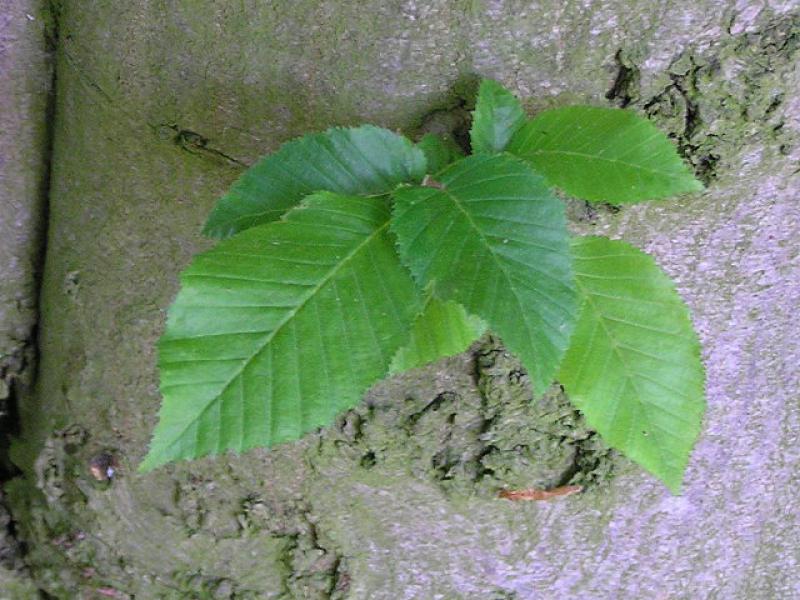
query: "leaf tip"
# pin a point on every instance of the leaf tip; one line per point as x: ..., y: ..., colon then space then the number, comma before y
x: 149, y: 463
x: 674, y: 486
x: 697, y: 185
x: 211, y: 231
x: 672, y: 479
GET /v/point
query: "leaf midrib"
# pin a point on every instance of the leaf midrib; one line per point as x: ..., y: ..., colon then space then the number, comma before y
x: 669, y: 174
x: 510, y: 282
x: 246, y: 362
x: 628, y: 377
x: 257, y: 215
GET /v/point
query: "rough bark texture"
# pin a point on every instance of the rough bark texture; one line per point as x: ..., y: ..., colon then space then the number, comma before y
x: 25, y: 78
x: 160, y: 105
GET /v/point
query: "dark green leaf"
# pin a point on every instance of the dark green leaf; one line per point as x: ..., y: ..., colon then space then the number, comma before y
x: 492, y: 237
x: 281, y: 327
x: 442, y: 329
x: 603, y: 154
x: 366, y: 160
x: 633, y: 366
x: 497, y: 116
x: 439, y: 151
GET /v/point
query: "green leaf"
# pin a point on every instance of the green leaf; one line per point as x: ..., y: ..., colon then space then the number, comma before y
x: 439, y: 151
x: 281, y: 327
x: 497, y: 116
x: 633, y: 366
x: 492, y: 237
x: 442, y: 329
x: 366, y: 160
x: 603, y: 155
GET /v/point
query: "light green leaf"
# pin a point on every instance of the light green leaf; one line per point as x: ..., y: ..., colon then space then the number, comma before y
x: 442, y: 329
x: 366, y: 160
x: 633, y: 366
x: 603, y: 154
x: 497, y: 116
x: 439, y: 151
x: 280, y: 328
x: 491, y: 236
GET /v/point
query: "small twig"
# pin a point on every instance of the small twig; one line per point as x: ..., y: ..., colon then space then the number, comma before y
x: 429, y: 181
x: 565, y: 490
x: 110, y: 592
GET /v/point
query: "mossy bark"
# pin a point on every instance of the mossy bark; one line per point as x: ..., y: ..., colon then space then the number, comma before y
x: 25, y: 81
x: 160, y: 106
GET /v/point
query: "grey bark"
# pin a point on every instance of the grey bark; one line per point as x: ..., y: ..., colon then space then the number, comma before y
x: 25, y: 78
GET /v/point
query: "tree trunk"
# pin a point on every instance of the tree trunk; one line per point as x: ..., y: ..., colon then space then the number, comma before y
x: 160, y: 106
x: 25, y: 102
